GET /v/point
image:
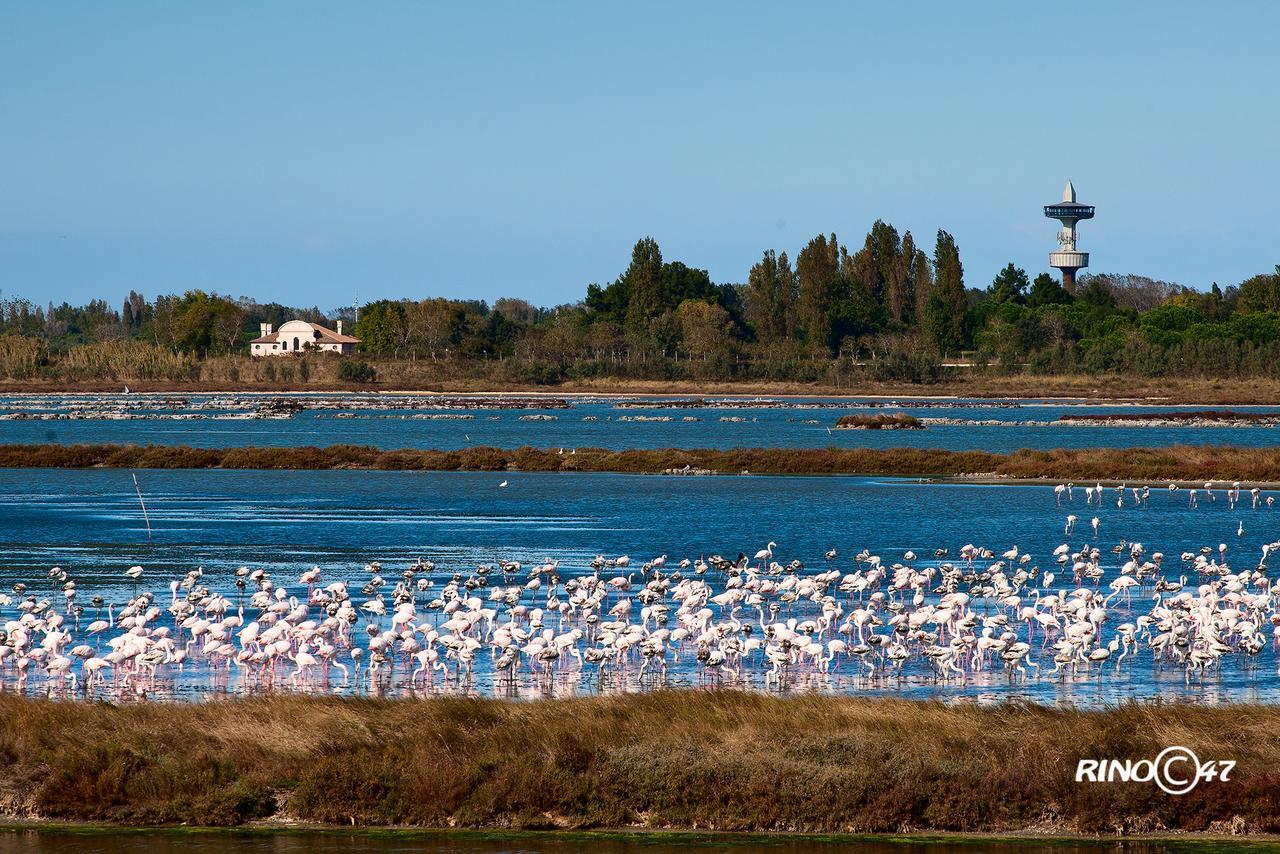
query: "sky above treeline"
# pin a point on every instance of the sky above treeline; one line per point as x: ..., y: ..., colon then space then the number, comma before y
x: 304, y: 152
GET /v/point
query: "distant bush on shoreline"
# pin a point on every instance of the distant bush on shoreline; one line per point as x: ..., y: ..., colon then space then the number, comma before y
x: 353, y: 371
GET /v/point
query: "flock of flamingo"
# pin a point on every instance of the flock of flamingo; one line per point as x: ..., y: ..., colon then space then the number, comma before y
x: 1088, y: 610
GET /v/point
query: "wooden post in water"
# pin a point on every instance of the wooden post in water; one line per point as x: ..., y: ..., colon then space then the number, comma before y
x: 145, y: 517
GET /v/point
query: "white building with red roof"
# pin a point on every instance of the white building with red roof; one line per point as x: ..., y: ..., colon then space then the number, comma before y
x: 299, y: 336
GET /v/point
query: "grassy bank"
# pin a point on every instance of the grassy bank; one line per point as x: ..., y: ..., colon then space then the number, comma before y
x: 675, y: 760
x: 963, y: 382
x: 1181, y: 463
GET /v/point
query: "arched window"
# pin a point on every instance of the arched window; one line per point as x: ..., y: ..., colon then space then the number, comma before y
x: 296, y: 345
x: 284, y: 345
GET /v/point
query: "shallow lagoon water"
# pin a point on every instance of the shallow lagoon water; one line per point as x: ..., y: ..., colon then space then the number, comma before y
x: 90, y: 523
x: 341, y: 842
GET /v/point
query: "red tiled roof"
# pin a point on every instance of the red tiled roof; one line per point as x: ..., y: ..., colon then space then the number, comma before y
x: 327, y: 336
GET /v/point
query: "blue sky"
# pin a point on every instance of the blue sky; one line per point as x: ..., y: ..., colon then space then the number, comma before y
x: 302, y: 152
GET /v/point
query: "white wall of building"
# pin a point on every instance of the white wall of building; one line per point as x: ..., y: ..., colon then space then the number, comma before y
x: 297, y: 336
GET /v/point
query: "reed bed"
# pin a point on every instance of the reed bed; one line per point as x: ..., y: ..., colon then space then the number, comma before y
x: 1185, y: 463
x: 19, y: 357
x: 127, y: 360
x: 679, y: 760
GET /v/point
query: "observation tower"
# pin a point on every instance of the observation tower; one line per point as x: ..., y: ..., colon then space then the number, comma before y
x: 1068, y: 212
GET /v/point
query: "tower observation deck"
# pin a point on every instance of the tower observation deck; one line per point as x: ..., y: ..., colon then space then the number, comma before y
x: 1068, y: 259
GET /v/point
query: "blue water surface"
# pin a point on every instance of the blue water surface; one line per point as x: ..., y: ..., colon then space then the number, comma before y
x: 90, y: 523
x: 388, y: 422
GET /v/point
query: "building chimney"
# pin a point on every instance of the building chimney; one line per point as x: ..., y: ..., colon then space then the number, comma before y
x: 266, y: 329
x: 339, y: 327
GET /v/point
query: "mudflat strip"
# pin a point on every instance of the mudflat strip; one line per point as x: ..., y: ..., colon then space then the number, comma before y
x: 1184, y: 464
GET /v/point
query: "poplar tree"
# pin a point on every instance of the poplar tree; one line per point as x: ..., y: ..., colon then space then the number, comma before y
x: 944, y: 319
x: 644, y: 286
x: 771, y: 296
x: 818, y: 286
x: 886, y: 248
x: 913, y: 272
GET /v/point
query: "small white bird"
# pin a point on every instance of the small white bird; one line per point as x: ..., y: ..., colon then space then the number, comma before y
x: 504, y: 483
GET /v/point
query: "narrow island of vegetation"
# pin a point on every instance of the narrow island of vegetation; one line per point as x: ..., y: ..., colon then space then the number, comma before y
x: 1185, y: 463
x: 879, y: 421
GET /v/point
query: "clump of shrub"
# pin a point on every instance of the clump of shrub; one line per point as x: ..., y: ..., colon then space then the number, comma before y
x: 356, y: 371
x: 918, y: 367
x: 879, y: 421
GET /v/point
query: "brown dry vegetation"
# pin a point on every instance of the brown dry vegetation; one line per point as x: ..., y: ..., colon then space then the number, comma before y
x: 879, y: 421
x: 709, y: 760
x: 1178, y: 462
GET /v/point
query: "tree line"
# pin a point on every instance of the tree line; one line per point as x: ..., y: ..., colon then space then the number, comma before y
x: 891, y: 308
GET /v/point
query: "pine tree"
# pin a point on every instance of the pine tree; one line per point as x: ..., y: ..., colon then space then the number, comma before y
x: 1010, y: 285
x: 1046, y: 290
